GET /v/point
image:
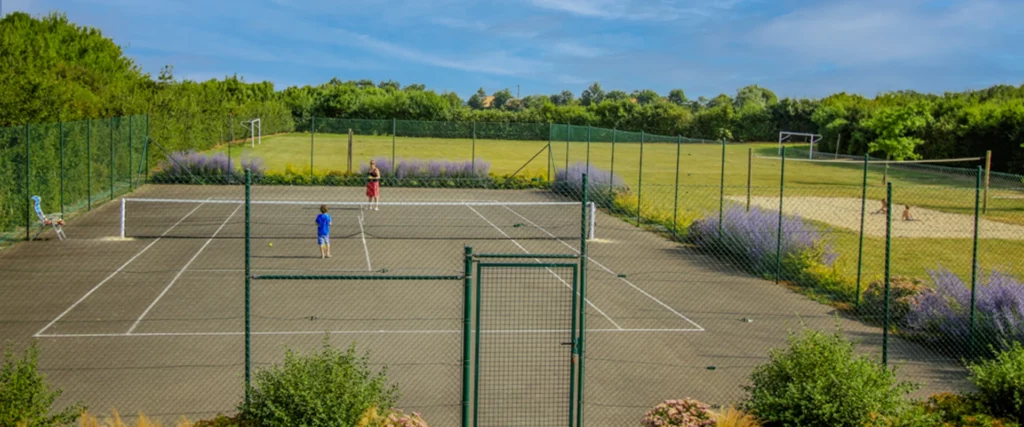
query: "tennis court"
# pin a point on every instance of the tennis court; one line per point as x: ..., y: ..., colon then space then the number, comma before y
x: 154, y: 322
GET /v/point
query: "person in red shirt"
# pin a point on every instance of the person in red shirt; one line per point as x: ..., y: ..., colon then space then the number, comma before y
x: 373, y: 186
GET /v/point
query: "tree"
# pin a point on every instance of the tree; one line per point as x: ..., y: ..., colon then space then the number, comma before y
x: 616, y: 95
x: 895, y: 127
x: 389, y: 85
x: 501, y: 97
x: 677, y: 96
x: 755, y: 95
x: 563, y: 99
x: 476, y: 101
x: 592, y: 95
x: 416, y: 87
x: 646, y: 96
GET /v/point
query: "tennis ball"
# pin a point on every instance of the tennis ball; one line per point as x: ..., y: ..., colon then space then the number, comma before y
x: 271, y: 244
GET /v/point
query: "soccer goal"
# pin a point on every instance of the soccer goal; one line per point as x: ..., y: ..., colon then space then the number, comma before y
x: 255, y: 131
x: 813, y: 138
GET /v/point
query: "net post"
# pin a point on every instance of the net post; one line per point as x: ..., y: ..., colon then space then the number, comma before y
x: 581, y: 337
x: 122, y: 216
x: 675, y: 199
x: 640, y: 180
x: 988, y: 172
x: 750, y: 175
x: 312, y: 137
x: 131, y: 180
x: 467, y: 310
x: 248, y: 285
x: 88, y: 163
x: 778, y: 247
x: 593, y: 220
x: 28, y: 181
x: 888, y: 258
x: 721, y: 192
x: 60, y: 125
x: 476, y: 351
x: 860, y: 245
x: 974, y: 260
x: 111, y: 159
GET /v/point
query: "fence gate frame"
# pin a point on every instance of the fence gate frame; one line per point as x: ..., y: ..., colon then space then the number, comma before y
x: 476, y: 264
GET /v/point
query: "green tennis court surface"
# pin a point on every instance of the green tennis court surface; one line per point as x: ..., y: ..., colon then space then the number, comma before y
x: 154, y: 322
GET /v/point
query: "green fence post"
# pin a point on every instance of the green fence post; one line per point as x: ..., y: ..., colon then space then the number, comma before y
x: 588, y: 150
x: 131, y: 177
x: 111, y: 158
x: 721, y: 193
x: 312, y: 138
x: 551, y: 157
x: 467, y: 310
x: 60, y: 127
x: 473, y: 149
x: 476, y: 352
x: 860, y: 247
x: 394, y: 132
x: 640, y: 181
x: 28, y: 181
x: 675, y: 203
x: 88, y: 162
x: 145, y: 158
x: 583, y: 300
x: 614, y: 132
x: 888, y: 258
x: 974, y: 260
x: 231, y: 138
x: 568, y: 130
x: 778, y: 247
x: 750, y: 174
x: 248, y: 284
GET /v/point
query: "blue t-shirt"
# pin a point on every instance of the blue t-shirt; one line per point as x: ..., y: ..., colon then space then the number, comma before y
x: 323, y: 224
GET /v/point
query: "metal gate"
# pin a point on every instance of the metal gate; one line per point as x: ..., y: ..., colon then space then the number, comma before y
x: 526, y: 339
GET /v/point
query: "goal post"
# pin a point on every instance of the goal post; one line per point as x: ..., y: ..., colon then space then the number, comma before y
x: 255, y: 131
x: 786, y: 135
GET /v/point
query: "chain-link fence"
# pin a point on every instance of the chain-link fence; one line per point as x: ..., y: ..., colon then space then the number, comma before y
x: 700, y: 257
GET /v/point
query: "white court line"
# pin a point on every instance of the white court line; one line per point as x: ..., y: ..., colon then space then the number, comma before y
x: 609, y: 271
x: 177, y: 276
x: 111, y: 276
x: 362, y: 235
x: 548, y: 269
x: 360, y: 332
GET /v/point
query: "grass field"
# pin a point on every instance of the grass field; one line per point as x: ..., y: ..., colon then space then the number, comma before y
x: 700, y: 180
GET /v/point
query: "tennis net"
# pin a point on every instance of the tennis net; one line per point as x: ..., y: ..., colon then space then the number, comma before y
x: 288, y: 219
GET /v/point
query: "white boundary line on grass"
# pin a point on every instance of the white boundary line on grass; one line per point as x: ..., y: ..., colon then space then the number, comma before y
x: 666, y: 306
x: 111, y: 276
x: 548, y: 269
x: 180, y: 272
x: 356, y: 332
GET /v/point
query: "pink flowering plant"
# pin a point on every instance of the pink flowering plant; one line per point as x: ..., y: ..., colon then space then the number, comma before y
x: 686, y: 412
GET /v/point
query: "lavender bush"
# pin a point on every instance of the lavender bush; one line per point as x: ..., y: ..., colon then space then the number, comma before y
x: 749, y: 239
x: 429, y: 169
x: 601, y: 184
x: 190, y: 166
x: 943, y: 313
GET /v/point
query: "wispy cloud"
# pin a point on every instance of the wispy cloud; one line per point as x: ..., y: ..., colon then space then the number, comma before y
x: 459, y: 24
x: 572, y: 48
x: 650, y: 10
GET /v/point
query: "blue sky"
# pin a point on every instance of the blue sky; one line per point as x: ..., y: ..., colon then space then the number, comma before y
x: 797, y: 48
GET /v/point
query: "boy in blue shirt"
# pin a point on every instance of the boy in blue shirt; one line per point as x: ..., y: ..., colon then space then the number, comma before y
x: 323, y: 231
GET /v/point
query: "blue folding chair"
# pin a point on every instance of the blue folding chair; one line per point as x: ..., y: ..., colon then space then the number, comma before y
x: 53, y: 220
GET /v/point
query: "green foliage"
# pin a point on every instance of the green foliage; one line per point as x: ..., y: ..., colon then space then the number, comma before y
x: 960, y: 410
x: 25, y: 396
x: 326, y: 388
x: 903, y: 292
x: 817, y: 380
x: 1000, y: 382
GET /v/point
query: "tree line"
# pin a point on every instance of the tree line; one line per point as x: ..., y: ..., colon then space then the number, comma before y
x: 55, y: 70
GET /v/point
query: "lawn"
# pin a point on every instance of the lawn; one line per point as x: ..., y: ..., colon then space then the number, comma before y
x: 700, y: 180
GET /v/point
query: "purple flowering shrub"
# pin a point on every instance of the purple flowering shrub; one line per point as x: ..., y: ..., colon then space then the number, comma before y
x: 191, y: 167
x: 750, y: 240
x: 686, y: 412
x: 602, y: 186
x: 942, y: 314
x: 428, y: 169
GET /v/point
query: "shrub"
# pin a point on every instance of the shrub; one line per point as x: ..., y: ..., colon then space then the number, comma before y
x: 414, y: 168
x: 733, y: 417
x: 818, y: 381
x: 602, y: 186
x: 1000, y: 382
x: 393, y: 418
x: 942, y: 314
x: 25, y: 396
x: 750, y: 239
x: 959, y: 410
x: 903, y: 295
x: 328, y: 388
x: 191, y: 167
x: 686, y: 412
